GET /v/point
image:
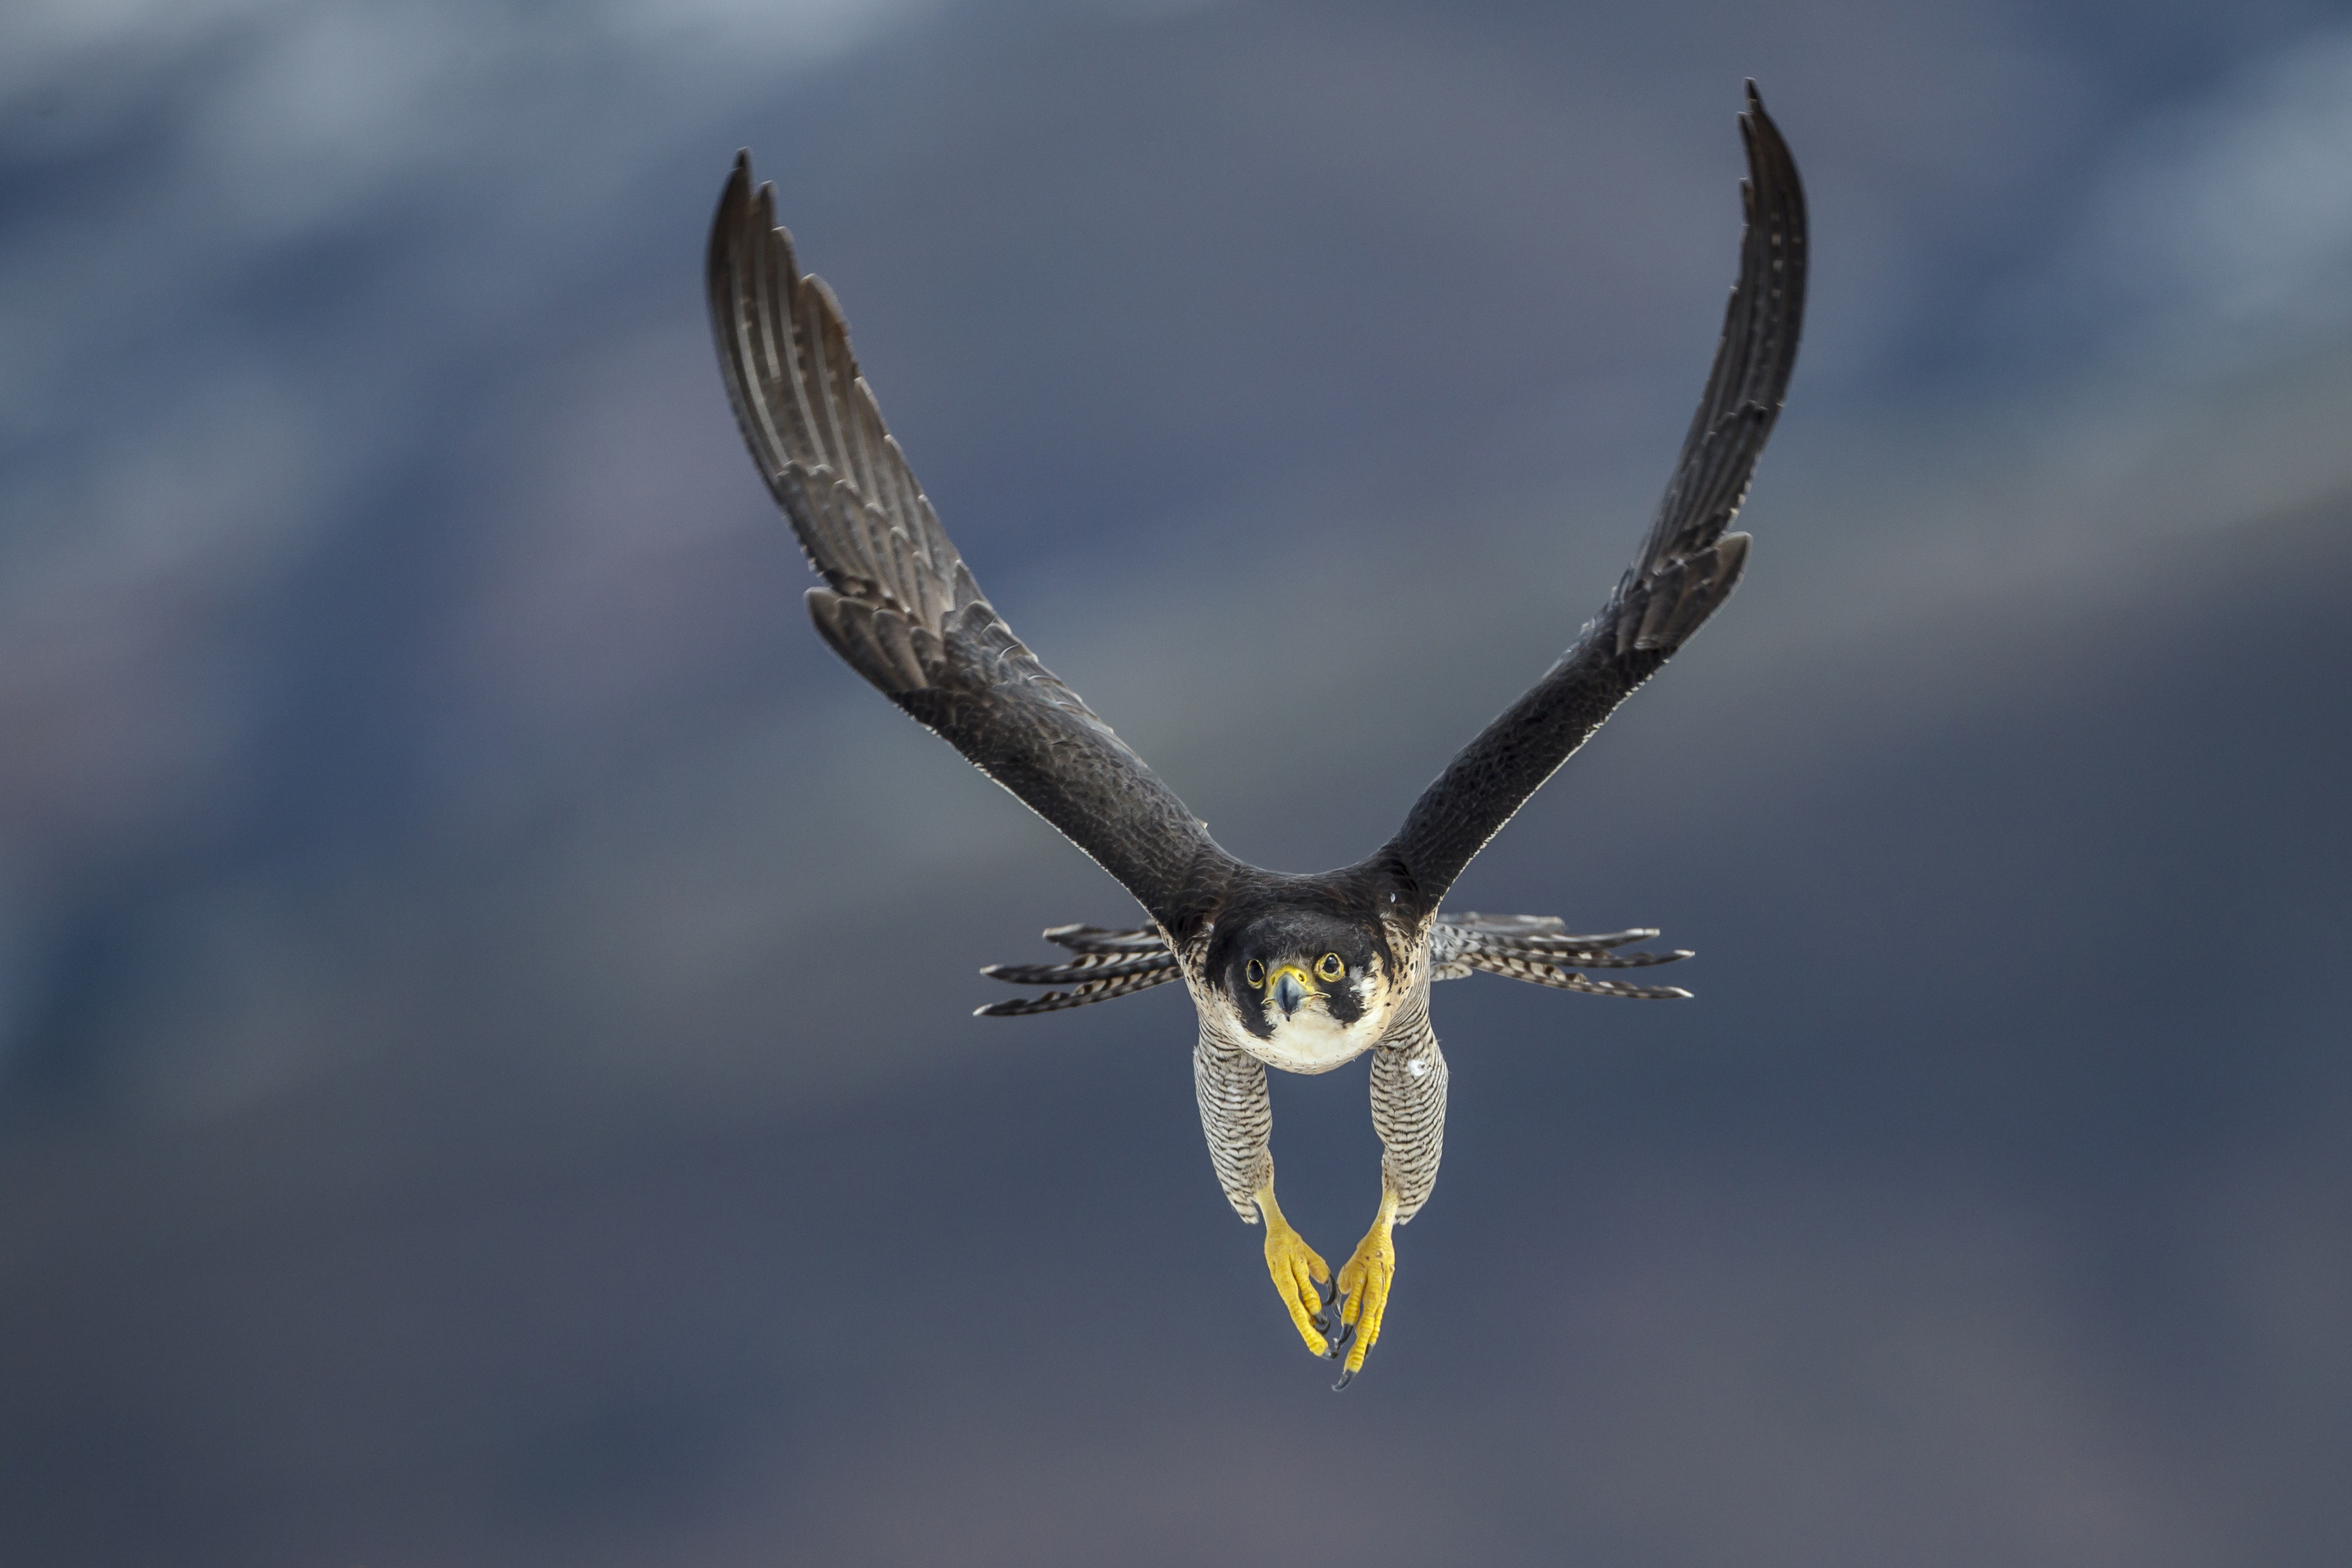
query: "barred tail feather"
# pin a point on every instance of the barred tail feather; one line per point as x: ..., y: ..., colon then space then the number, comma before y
x: 1079, y: 996
x: 1110, y: 964
x: 1538, y: 948
x: 1565, y: 979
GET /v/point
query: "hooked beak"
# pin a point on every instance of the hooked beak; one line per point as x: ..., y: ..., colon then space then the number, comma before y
x: 1289, y: 989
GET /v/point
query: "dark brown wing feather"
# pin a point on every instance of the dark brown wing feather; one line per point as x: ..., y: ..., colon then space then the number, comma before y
x: 899, y: 604
x: 1688, y: 566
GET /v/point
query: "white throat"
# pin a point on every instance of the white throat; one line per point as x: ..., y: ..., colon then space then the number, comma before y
x: 1310, y: 1040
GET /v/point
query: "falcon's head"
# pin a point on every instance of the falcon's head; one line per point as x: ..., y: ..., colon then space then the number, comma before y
x: 1311, y: 988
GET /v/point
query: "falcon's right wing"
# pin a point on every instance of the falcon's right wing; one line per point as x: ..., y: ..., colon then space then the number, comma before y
x: 899, y: 604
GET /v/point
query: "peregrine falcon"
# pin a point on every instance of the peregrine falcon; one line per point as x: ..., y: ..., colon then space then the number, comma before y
x: 1298, y: 972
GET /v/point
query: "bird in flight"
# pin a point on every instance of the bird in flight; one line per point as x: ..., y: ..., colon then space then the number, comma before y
x: 1299, y: 972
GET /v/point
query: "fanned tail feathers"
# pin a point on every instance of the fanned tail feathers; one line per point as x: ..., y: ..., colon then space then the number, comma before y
x: 1537, y: 948
x: 1100, y: 939
x: 1108, y: 964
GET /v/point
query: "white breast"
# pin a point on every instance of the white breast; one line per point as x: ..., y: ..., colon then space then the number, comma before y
x: 1309, y: 1041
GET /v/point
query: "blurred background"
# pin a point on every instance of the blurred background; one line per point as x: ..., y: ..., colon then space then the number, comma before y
x: 485, y: 1065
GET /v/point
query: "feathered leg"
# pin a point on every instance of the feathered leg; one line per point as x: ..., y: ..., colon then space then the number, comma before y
x: 1409, y: 1114
x: 1237, y: 1119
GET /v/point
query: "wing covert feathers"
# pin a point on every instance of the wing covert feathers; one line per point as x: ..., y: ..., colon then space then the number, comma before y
x: 898, y: 604
x: 1688, y: 566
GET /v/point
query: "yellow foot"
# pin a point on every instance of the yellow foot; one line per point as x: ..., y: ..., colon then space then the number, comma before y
x: 1301, y: 1277
x: 1365, y: 1282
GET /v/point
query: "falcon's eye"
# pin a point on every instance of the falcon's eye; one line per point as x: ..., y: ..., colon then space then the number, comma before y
x: 1257, y: 973
x: 1329, y: 967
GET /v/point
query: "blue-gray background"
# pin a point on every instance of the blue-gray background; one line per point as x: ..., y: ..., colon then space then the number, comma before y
x: 484, y: 1066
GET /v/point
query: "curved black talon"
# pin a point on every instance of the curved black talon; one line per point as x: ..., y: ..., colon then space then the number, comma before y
x: 1324, y: 1320
x: 1345, y: 1379
x: 1335, y: 1345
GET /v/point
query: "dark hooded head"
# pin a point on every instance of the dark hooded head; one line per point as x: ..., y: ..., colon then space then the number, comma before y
x: 1301, y: 964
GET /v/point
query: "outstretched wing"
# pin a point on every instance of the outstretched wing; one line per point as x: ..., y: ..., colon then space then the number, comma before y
x: 1688, y: 566
x: 898, y: 602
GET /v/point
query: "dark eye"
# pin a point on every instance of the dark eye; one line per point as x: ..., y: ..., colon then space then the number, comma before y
x: 1329, y: 967
x: 1257, y: 973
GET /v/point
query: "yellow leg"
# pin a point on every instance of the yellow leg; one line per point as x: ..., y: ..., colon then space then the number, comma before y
x: 1365, y: 1282
x: 1300, y: 1275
